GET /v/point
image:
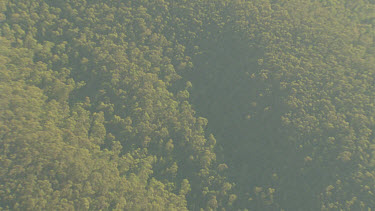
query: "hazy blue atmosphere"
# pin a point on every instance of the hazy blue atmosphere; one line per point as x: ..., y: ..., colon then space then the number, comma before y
x: 201, y: 105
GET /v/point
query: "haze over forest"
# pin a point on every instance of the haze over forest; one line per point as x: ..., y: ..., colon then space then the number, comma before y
x: 187, y: 105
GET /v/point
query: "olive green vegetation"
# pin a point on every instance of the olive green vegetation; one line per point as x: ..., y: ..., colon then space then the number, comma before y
x: 187, y: 105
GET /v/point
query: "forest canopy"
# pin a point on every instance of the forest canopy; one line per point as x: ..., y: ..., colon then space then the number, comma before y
x: 187, y: 105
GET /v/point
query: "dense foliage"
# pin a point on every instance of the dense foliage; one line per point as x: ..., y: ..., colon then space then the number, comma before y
x: 187, y: 105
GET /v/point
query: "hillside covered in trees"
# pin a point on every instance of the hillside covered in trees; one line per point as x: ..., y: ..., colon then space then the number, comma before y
x: 187, y: 105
